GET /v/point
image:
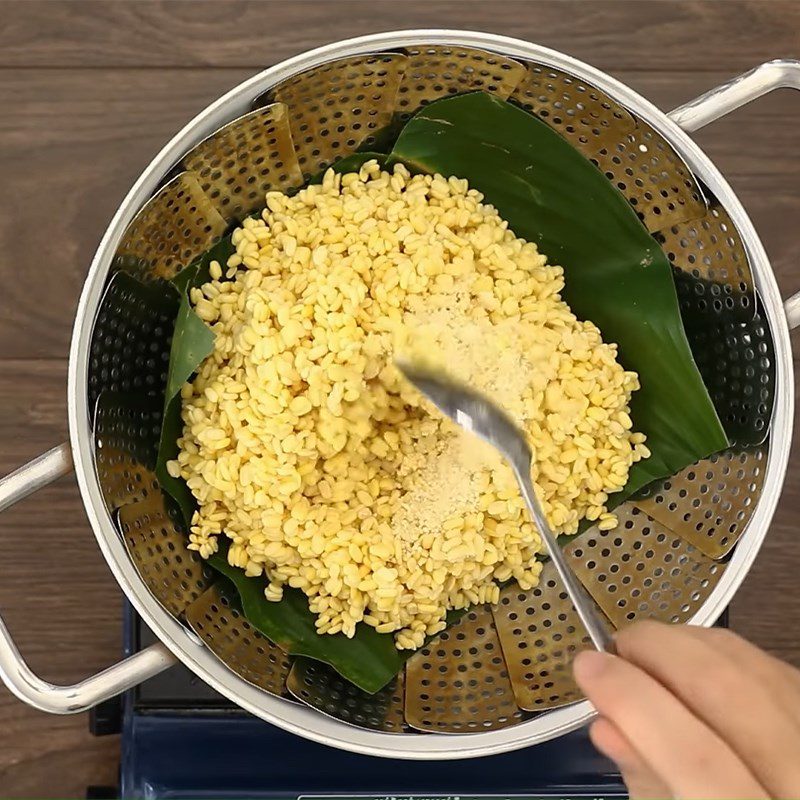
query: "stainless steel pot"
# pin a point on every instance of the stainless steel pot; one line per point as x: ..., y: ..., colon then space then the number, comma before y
x: 179, y: 642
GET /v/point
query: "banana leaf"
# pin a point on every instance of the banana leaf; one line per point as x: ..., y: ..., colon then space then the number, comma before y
x: 615, y: 273
x: 192, y: 342
x: 369, y: 660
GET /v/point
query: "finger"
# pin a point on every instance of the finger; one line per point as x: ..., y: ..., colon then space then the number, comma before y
x: 642, y: 782
x: 715, y: 677
x: 680, y: 749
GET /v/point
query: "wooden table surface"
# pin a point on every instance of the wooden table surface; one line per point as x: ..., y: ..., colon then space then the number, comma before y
x: 91, y: 90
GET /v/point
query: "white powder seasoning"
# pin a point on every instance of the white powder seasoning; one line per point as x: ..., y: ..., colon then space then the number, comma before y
x: 446, y: 487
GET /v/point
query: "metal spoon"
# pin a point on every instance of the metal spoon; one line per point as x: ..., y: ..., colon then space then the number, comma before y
x: 473, y: 411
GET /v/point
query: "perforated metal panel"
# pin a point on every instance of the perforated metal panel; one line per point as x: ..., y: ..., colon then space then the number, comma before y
x: 710, y: 503
x: 339, y: 107
x: 737, y: 362
x: 215, y: 617
x: 321, y: 687
x: 586, y: 117
x: 648, y: 171
x: 438, y: 71
x: 459, y: 683
x: 126, y: 431
x: 712, y: 273
x: 540, y: 634
x: 241, y: 162
x: 642, y: 570
x: 176, y: 226
x: 132, y: 336
x: 174, y: 575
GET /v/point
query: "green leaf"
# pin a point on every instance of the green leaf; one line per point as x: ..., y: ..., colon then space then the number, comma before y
x: 369, y: 660
x: 192, y: 342
x: 196, y: 274
x: 171, y: 429
x: 615, y: 273
x: 382, y: 140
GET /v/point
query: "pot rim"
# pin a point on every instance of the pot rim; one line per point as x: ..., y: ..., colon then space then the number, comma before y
x: 183, y: 643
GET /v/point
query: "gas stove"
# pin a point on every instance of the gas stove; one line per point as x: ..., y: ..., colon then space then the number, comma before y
x: 180, y: 739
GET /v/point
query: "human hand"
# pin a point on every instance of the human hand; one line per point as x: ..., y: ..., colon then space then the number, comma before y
x: 695, y: 713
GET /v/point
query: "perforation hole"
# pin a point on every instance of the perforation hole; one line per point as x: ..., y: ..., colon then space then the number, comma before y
x: 156, y: 543
x: 345, y: 103
x: 663, y: 191
x: 586, y: 117
x: 737, y: 362
x: 656, y: 569
x: 242, y: 161
x: 217, y: 620
x: 539, y: 666
x: 323, y: 688
x: 177, y: 225
x: 471, y: 693
x: 439, y: 71
x: 710, y: 503
x: 130, y: 345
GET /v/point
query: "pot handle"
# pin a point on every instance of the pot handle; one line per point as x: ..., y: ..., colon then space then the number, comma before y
x: 14, y: 672
x: 783, y: 73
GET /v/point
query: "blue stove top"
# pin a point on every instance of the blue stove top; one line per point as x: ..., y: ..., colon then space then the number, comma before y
x: 180, y: 739
x: 179, y: 756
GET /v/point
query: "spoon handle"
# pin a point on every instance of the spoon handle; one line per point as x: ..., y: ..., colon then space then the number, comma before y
x: 584, y: 605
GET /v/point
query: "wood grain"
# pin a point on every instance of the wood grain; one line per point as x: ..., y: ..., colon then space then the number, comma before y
x: 612, y: 34
x: 92, y: 90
